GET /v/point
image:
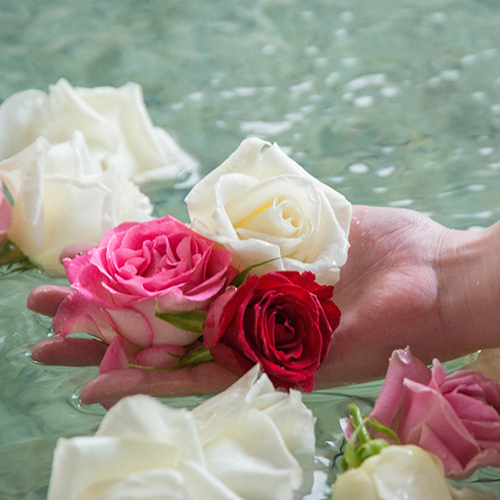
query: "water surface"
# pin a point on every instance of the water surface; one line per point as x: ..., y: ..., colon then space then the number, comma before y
x: 394, y: 102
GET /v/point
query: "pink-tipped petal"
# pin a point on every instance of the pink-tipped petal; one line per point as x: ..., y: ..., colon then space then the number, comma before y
x: 160, y: 356
x: 392, y: 397
x: 119, y: 355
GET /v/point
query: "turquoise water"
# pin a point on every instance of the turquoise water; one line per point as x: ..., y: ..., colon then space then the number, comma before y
x: 394, y: 102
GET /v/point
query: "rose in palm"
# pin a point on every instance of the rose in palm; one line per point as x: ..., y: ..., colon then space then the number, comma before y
x: 135, y: 269
x: 283, y: 320
x: 264, y: 207
x: 456, y: 417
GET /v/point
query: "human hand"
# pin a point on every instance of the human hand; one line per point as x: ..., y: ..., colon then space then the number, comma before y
x: 392, y: 293
x: 400, y: 287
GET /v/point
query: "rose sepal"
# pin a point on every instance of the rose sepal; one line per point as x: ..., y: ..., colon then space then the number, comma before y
x: 241, y: 277
x: 360, y: 445
x: 191, y: 321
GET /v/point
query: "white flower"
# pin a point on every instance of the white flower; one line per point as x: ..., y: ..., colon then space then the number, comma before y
x: 62, y: 196
x: 250, y: 427
x: 399, y: 472
x: 268, y: 207
x: 114, y: 122
x: 232, y: 447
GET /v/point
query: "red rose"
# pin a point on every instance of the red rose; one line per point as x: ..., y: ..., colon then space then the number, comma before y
x: 283, y: 320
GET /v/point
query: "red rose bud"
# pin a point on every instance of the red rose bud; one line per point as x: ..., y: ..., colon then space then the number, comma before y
x: 283, y: 321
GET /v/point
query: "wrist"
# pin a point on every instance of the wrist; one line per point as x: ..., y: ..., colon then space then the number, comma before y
x: 468, y: 270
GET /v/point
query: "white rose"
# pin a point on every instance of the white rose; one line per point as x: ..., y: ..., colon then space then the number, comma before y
x: 406, y: 472
x: 268, y: 207
x: 62, y: 196
x: 146, y: 450
x: 251, y: 425
x: 115, y: 123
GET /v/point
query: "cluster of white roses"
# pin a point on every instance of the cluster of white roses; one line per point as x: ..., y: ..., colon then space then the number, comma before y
x: 71, y: 160
x: 246, y: 443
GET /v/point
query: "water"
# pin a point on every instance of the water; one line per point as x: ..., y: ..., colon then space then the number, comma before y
x: 394, y: 102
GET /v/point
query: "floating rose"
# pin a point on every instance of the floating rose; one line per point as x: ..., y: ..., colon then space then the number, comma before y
x: 62, y: 196
x: 114, y: 123
x: 456, y: 417
x: 244, y: 443
x: 68, y: 159
x: 283, y: 320
x: 136, y: 269
x: 268, y: 207
x: 406, y: 472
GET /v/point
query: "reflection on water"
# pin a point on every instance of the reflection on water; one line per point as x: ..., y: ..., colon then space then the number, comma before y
x: 392, y: 103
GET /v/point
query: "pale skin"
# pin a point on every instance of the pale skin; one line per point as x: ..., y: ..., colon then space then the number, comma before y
x: 408, y: 281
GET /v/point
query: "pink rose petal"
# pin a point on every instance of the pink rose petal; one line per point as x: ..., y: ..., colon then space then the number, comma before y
x: 455, y: 416
x: 160, y: 356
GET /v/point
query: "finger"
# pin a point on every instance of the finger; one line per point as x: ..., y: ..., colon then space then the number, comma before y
x: 71, y: 251
x: 69, y: 352
x: 205, y: 379
x: 47, y: 298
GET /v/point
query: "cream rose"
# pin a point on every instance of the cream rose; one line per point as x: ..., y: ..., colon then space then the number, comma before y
x: 114, y: 122
x: 263, y: 207
x: 238, y: 445
x: 62, y: 196
x: 406, y: 472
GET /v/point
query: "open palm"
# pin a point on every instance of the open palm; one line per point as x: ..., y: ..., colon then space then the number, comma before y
x: 390, y: 295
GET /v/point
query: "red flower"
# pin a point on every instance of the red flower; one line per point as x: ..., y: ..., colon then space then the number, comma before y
x: 283, y: 320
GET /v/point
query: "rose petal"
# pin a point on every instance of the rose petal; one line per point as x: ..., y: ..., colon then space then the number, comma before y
x: 393, y: 395
x: 120, y: 354
x: 164, y: 355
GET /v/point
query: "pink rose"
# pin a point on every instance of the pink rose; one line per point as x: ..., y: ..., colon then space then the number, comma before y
x: 456, y: 417
x: 136, y: 268
x: 282, y: 320
x: 5, y: 215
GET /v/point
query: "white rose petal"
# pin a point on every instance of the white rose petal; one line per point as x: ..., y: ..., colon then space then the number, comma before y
x: 293, y: 419
x: 397, y: 472
x: 114, y: 122
x: 268, y: 207
x: 232, y: 447
x: 62, y: 196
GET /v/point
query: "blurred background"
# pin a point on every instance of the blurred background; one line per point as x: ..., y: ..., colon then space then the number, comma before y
x: 394, y: 103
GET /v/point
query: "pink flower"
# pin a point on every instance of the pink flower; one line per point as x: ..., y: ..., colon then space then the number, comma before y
x: 456, y: 417
x: 5, y: 215
x: 283, y: 321
x: 136, y: 268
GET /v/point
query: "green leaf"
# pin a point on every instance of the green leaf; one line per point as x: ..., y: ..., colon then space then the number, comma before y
x: 192, y: 321
x: 240, y: 278
x: 195, y: 358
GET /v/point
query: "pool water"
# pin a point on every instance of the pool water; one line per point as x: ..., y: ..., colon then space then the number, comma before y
x: 393, y: 102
